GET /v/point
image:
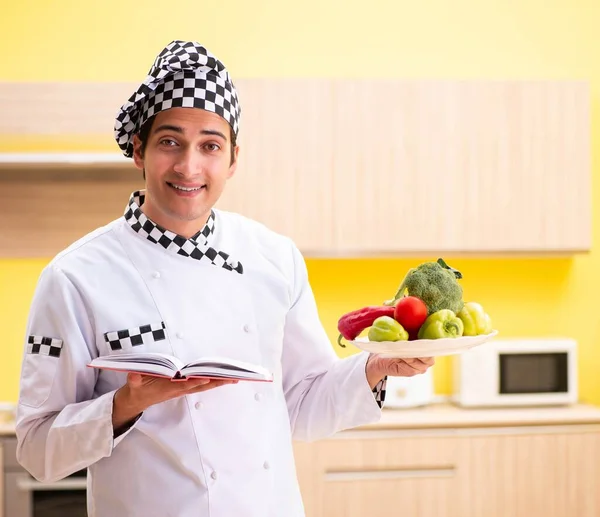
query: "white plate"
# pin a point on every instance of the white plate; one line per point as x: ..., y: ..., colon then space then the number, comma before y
x: 422, y: 347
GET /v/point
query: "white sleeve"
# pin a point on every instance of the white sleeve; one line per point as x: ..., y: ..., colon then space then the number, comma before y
x: 324, y: 394
x: 62, y: 424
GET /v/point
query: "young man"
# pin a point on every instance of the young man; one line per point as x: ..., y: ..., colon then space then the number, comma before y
x: 176, y: 275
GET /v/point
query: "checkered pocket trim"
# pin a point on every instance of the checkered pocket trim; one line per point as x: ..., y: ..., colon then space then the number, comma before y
x: 379, y: 392
x: 42, y: 345
x: 127, y: 338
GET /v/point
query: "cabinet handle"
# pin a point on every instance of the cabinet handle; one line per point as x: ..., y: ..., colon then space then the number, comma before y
x: 362, y: 475
x: 31, y: 485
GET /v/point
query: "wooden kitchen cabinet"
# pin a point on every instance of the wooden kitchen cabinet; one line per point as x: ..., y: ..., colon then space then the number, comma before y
x: 349, y: 167
x: 467, y: 465
x: 553, y: 474
x: 55, y: 208
x: 363, y: 477
x: 1, y: 482
x: 453, y: 167
x: 284, y: 177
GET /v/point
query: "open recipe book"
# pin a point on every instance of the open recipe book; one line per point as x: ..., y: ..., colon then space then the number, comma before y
x: 164, y: 365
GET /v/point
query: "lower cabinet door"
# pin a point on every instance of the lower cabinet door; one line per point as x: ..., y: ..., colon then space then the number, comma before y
x: 537, y: 473
x: 371, y: 477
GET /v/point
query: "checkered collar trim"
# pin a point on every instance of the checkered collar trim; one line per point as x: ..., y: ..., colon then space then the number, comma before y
x: 196, y: 247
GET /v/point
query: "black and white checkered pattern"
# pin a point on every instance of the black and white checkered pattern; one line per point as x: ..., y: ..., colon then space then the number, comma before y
x: 196, y: 247
x: 127, y: 338
x: 184, y: 75
x: 379, y: 392
x: 44, y: 346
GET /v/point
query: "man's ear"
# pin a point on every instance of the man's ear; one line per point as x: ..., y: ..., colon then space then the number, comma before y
x: 233, y: 166
x: 138, y: 158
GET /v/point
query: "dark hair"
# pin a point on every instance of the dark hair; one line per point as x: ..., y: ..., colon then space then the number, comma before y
x: 145, y: 133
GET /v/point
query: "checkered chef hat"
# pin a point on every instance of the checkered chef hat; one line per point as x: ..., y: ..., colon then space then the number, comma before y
x: 184, y: 74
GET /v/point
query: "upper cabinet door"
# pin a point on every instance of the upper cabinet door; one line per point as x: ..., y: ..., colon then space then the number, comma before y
x: 284, y: 175
x: 464, y: 166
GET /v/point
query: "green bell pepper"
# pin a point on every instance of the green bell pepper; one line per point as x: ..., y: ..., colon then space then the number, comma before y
x: 441, y: 324
x: 475, y: 319
x: 386, y: 328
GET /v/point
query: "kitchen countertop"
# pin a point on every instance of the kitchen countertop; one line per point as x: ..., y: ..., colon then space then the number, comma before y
x: 7, y: 429
x: 449, y: 416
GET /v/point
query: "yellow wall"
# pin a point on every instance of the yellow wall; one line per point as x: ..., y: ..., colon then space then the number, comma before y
x: 395, y: 38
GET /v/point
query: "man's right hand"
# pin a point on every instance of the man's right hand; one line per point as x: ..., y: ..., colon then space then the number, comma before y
x: 142, y: 391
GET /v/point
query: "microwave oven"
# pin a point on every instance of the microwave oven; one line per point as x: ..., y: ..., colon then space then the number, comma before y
x: 517, y: 372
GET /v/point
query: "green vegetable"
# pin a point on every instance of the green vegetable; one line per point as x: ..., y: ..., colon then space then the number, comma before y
x: 440, y: 324
x: 475, y: 319
x: 436, y: 284
x: 386, y: 328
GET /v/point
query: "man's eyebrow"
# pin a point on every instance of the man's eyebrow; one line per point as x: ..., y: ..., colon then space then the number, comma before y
x: 179, y: 129
x: 213, y: 132
x: 168, y: 127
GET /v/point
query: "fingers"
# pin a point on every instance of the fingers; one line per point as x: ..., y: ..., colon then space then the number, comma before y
x: 211, y: 385
x: 152, y: 390
x: 414, y: 366
x: 420, y: 363
x: 192, y: 384
x: 427, y: 361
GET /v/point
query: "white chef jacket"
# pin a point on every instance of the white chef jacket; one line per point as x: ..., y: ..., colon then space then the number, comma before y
x: 236, y: 289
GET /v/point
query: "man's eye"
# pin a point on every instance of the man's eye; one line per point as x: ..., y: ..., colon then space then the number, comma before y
x: 167, y: 142
x: 213, y: 147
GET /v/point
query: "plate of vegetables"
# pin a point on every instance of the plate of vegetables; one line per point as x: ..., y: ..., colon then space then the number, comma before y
x: 427, y: 317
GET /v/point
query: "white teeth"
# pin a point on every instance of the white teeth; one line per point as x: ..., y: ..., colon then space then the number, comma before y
x: 185, y: 189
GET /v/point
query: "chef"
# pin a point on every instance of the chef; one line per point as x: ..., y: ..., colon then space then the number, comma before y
x: 176, y: 275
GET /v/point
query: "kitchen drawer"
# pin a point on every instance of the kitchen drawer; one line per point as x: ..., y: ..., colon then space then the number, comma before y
x: 380, y: 495
x: 363, y: 477
x: 10, y: 453
x: 426, y: 454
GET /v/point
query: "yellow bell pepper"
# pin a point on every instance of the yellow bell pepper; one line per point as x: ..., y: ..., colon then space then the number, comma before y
x: 475, y: 320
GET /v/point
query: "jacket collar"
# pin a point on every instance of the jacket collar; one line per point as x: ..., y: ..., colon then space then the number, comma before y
x: 196, y: 247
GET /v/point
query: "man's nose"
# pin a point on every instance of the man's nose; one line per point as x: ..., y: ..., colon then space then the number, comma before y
x: 189, y: 163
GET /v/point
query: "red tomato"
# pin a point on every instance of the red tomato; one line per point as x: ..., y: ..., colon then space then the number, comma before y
x: 413, y: 334
x: 411, y: 313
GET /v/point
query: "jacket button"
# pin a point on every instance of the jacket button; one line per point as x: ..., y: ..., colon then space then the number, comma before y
x: 214, y: 475
x: 266, y: 465
x: 179, y: 335
x: 198, y: 405
x: 156, y: 274
x: 257, y: 396
x: 246, y: 328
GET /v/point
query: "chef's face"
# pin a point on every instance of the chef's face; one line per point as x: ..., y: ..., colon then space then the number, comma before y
x: 187, y: 159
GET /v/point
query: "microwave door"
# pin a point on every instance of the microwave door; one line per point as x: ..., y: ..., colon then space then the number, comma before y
x: 533, y: 373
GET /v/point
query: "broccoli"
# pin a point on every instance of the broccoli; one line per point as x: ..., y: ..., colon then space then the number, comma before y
x: 436, y: 284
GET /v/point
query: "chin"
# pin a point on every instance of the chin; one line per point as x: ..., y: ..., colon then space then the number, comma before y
x: 187, y: 215
x: 184, y: 216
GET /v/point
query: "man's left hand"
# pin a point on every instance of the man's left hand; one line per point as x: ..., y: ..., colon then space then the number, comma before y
x: 380, y: 367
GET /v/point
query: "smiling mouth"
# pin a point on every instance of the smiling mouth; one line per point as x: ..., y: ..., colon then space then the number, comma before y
x: 185, y: 189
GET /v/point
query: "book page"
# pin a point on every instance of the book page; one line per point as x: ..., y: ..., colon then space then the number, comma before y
x: 156, y: 358
x: 130, y: 366
x: 228, y: 363
x: 225, y: 373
